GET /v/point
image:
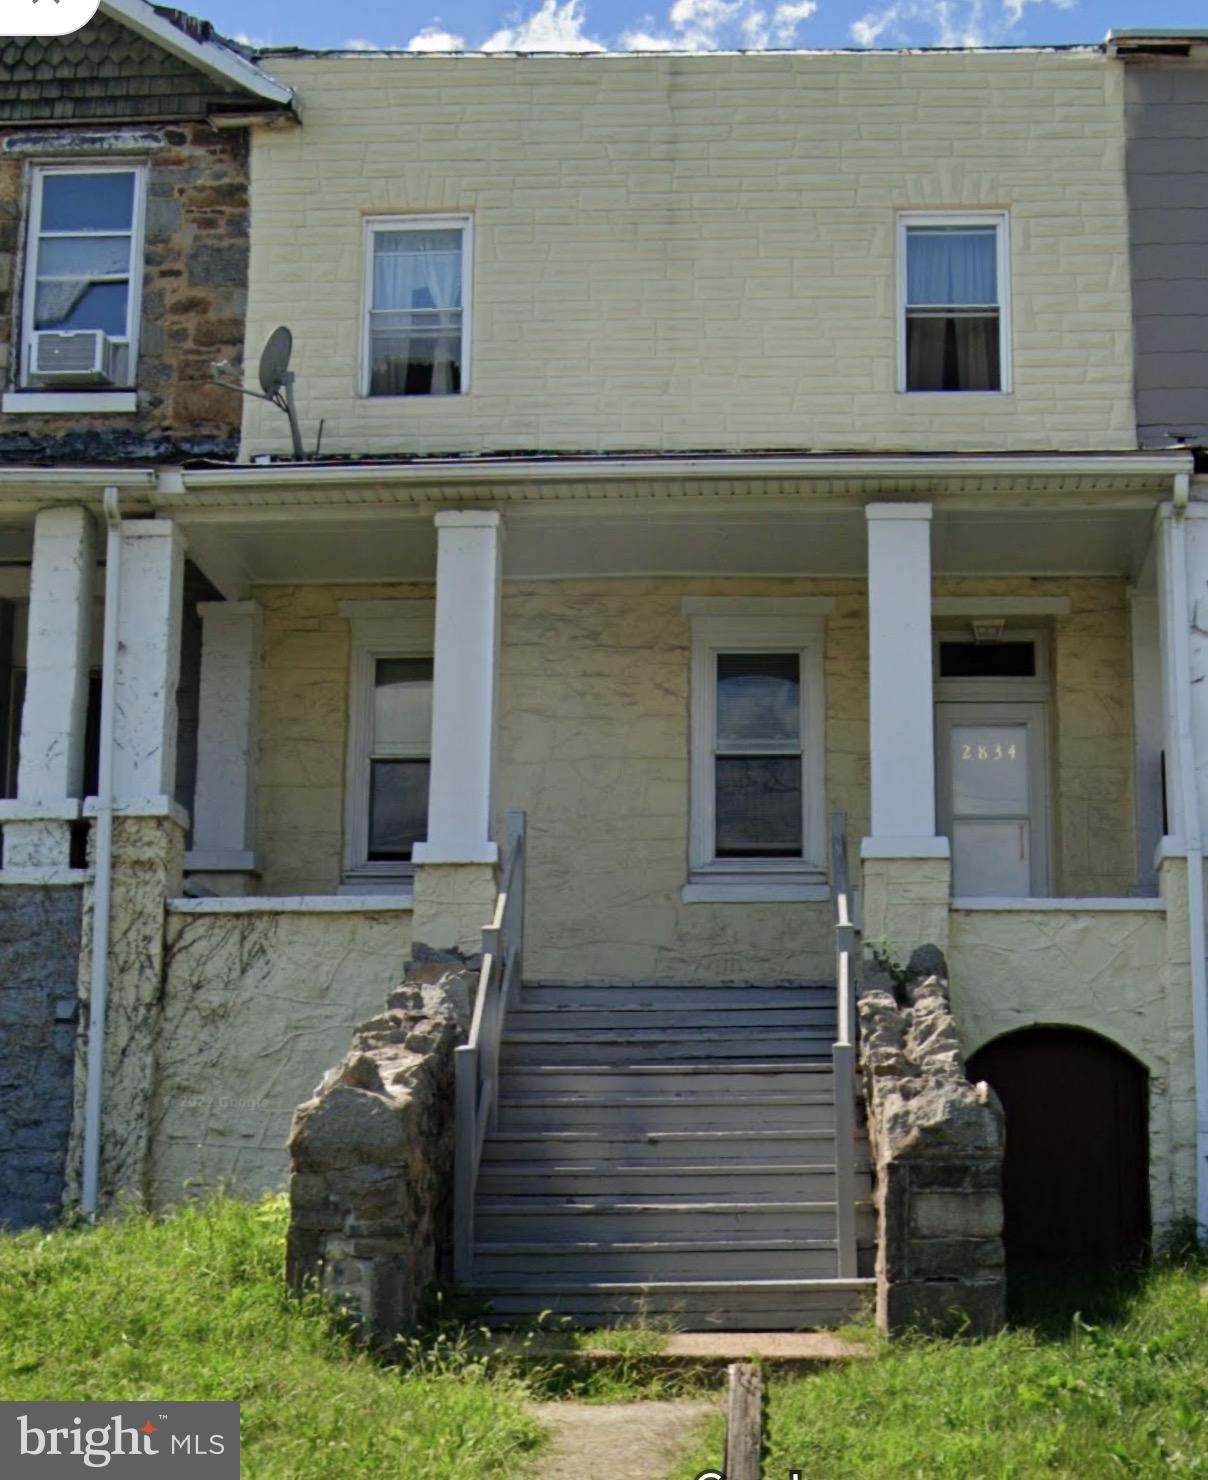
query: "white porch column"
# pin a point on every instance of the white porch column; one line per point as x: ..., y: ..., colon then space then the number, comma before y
x: 906, y: 875
x: 148, y: 668
x: 464, y: 689
x: 224, y: 798
x: 50, y: 770
x: 901, y: 711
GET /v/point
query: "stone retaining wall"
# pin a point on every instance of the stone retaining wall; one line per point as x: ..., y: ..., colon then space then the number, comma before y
x: 937, y: 1147
x: 372, y: 1159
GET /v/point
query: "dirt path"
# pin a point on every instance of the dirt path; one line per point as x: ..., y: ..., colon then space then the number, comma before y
x: 625, y: 1441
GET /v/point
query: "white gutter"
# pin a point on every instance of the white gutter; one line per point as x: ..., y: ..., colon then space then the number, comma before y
x: 553, y: 468
x: 1192, y: 832
x: 103, y: 865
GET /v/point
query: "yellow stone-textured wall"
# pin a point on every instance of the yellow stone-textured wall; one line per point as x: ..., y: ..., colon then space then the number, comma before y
x: 689, y: 252
x: 1118, y: 974
x: 594, y: 744
x: 256, y: 1008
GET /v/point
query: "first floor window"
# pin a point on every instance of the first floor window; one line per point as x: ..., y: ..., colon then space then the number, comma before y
x: 417, y: 300
x: 400, y: 758
x: 757, y: 765
x: 83, y: 271
x: 953, y: 275
x: 389, y: 740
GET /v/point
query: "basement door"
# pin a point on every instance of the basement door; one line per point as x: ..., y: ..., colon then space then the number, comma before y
x: 992, y: 797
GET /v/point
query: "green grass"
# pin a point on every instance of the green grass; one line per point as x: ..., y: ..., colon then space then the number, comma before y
x: 1104, y: 1380
x: 191, y: 1305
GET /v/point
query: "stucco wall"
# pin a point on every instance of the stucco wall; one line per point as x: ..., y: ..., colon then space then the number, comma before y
x: 1111, y: 973
x: 688, y: 252
x: 256, y: 1008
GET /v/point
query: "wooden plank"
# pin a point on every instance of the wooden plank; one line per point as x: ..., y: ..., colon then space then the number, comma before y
x: 465, y: 1160
x: 845, y: 1160
x: 744, y: 1422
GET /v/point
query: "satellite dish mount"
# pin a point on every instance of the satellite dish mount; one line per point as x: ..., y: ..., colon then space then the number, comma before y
x: 276, y: 383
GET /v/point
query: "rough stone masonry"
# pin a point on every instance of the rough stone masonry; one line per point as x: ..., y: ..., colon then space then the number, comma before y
x: 937, y: 1146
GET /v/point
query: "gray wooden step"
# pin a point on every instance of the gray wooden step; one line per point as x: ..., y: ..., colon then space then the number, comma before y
x: 556, y: 1218
x: 751, y: 1305
x: 714, y: 1146
x: 665, y: 1181
x: 677, y: 1079
x: 667, y: 994
x: 664, y: 1046
x: 666, y: 1112
x: 733, y: 1258
x: 819, y: 1019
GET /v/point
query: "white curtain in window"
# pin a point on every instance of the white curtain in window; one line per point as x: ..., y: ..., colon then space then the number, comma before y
x: 421, y: 270
x: 951, y: 267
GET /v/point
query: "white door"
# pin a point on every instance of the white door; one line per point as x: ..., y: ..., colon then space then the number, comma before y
x: 993, y: 798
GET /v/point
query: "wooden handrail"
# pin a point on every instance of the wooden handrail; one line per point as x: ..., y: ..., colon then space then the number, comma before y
x: 843, y: 1054
x: 477, y: 1060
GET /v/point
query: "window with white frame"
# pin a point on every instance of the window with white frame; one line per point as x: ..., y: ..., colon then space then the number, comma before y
x: 417, y: 306
x: 83, y: 276
x: 953, y: 274
x: 389, y: 739
x: 756, y: 829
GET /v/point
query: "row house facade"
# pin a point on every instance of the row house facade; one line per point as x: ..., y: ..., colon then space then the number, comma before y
x: 694, y: 448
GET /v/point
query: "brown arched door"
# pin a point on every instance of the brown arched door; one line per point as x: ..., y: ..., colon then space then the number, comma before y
x: 1076, y: 1175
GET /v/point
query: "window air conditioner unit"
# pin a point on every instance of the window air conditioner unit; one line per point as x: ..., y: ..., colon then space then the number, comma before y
x: 86, y: 357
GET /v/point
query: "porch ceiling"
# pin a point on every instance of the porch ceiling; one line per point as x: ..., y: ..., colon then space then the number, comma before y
x: 741, y: 537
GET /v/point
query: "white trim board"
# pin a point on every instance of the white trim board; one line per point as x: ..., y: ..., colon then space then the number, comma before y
x: 1062, y: 906
x: 293, y: 904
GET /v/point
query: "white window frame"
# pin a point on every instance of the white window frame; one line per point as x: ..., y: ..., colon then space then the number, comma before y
x: 138, y: 251
x: 379, y: 629
x: 1000, y: 220
x: 465, y: 224
x: 757, y: 625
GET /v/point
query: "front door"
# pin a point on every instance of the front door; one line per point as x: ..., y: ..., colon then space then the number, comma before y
x: 992, y: 795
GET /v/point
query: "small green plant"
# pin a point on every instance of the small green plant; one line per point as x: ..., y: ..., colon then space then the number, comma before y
x: 886, y: 961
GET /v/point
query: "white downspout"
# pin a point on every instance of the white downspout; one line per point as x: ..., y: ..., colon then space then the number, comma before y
x: 103, y: 865
x: 1192, y: 833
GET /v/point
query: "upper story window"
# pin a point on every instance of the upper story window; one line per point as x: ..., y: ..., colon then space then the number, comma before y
x: 953, y: 278
x: 83, y: 276
x: 417, y: 316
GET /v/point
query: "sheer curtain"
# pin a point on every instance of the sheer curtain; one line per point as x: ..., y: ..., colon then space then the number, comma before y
x: 417, y: 308
x: 955, y: 270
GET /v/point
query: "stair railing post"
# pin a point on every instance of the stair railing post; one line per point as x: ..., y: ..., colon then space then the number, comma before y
x: 844, y: 1055
x: 517, y: 841
x: 465, y: 1158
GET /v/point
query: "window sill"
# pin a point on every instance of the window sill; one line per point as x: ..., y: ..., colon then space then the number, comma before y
x: 755, y: 888
x: 68, y: 403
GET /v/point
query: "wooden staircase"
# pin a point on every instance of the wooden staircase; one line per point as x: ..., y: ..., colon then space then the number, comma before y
x: 687, y: 1153
x: 669, y: 1150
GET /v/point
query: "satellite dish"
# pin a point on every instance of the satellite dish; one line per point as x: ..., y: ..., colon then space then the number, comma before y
x: 274, y: 361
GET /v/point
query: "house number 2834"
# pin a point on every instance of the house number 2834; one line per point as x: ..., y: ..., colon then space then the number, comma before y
x: 995, y: 752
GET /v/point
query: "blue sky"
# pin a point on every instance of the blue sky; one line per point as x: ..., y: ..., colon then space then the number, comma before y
x: 692, y: 25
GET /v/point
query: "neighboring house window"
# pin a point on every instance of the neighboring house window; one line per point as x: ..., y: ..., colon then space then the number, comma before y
x: 417, y: 315
x: 953, y: 278
x: 757, y: 805
x: 83, y: 276
x: 389, y: 740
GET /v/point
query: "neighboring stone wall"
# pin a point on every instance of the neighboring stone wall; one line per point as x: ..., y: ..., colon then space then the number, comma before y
x: 700, y: 249
x: 194, y: 294
x: 937, y: 1147
x: 39, y: 959
x: 372, y: 1159
x: 255, y: 1010
x: 1121, y: 974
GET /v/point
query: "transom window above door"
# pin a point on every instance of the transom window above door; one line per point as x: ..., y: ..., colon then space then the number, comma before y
x: 417, y: 306
x: 756, y: 823
x: 953, y: 275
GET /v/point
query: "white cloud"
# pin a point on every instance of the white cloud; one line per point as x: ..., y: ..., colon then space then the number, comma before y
x: 945, y: 22
x: 711, y: 25
x: 435, y: 38
x: 255, y: 43
x: 552, y: 27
